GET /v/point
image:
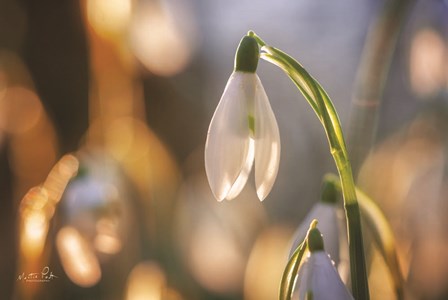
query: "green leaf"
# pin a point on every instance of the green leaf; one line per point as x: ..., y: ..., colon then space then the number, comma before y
x: 383, y: 237
x: 292, y: 268
x: 381, y: 231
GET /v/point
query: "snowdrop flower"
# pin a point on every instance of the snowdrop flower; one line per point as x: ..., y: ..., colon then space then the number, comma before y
x: 243, y: 130
x: 326, y: 211
x: 317, y: 278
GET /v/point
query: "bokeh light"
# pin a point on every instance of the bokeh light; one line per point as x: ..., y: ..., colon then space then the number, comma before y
x: 34, y: 223
x: 266, y: 263
x: 38, y: 206
x: 104, y: 110
x: 109, y: 17
x: 21, y: 110
x: 146, y: 281
x: 158, y: 41
x: 214, y: 237
x: 428, y: 62
x: 78, y: 259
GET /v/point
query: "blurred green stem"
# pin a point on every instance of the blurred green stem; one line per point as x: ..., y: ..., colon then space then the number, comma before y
x: 326, y: 113
x: 375, y: 62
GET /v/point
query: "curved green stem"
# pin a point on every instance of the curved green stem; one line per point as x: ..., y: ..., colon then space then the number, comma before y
x: 381, y: 232
x: 298, y: 81
x: 325, y: 111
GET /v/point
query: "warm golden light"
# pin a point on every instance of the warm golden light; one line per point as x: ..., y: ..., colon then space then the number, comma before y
x: 31, y: 137
x: 109, y: 17
x: 400, y: 163
x: 34, y: 200
x: 68, y: 166
x: 146, y: 282
x: 430, y: 265
x: 3, y: 83
x: 215, y: 258
x: 406, y: 176
x: 380, y: 280
x: 124, y: 138
x: 35, y: 227
x: 428, y: 62
x: 171, y: 294
x: 142, y: 154
x: 107, y: 244
x: 38, y: 205
x: 20, y: 110
x: 106, y: 239
x: 59, y: 176
x: 34, y: 234
x: 157, y: 41
x: 266, y: 263
x: 77, y: 258
x: 34, y: 223
x: 216, y: 237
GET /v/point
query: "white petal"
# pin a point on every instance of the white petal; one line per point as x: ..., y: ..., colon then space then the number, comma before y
x: 326, y: 215
x: 229, y: 152
x: 319, y: 276
x: 267, y: 143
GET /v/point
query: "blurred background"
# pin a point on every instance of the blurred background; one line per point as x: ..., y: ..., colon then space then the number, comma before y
x: 104, y: 110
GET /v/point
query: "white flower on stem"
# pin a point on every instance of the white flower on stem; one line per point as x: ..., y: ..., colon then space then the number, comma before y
x: 331, y: 224
x: 243, y: 129
x: 326, y: 213
x: 317, y: 278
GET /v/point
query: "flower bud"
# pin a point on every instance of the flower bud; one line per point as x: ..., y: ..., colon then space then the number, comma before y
x: 247, y: 55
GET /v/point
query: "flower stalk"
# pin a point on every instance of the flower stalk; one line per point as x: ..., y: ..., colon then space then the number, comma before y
x: 326, y: 113
x: 380, y: 230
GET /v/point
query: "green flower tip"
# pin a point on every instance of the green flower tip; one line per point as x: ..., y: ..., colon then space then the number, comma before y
x: 309, y: 295
x: 329, y: 192
x: 315, y: 240
x: 247, y: 55
x: 313, y: 224
x: 82, y: 171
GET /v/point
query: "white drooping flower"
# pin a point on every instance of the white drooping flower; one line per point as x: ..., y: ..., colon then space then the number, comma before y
x: 332, y: 226
x: 243, y: 130
x: 317, y: 278
x: 327, y: 215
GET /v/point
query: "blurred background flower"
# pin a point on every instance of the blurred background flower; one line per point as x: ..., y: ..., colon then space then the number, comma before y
x: 104, y: 109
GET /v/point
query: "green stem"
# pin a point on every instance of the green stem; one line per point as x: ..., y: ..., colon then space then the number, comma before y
x: 298, y: 81
x: 360, y: 287
x: 324, y: 109
x: 381, y: 232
